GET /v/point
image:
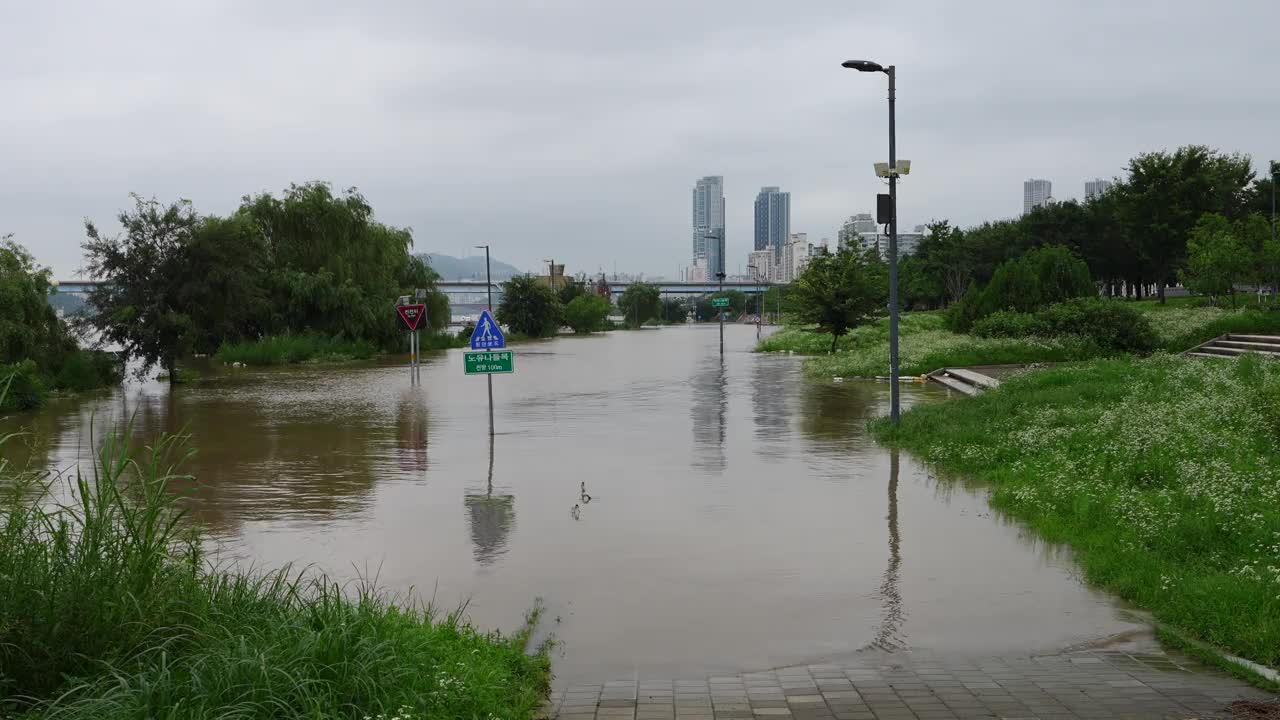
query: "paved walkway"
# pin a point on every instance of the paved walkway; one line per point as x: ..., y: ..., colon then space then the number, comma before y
x: 896, y: 686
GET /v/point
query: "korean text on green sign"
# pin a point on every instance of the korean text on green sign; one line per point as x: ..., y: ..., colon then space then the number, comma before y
x: 487, y: 363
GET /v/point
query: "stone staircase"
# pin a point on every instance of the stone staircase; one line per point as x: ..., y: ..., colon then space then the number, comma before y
x: 1234, y: 345
x: 963, y: 380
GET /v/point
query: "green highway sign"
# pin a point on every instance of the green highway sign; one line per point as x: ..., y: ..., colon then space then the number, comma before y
x: 487, y: 363
x: 719, y: 302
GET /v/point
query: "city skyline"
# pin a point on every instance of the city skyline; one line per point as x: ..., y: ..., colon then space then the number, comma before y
x: 574, y: 130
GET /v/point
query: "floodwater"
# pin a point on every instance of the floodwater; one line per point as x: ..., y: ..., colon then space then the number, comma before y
x: 738, y: 517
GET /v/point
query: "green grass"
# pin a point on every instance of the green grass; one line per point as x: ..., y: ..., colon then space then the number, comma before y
x: 109, y: 610
x: 923, y: 346
x: 289, y: 349
x: 1163, y: 474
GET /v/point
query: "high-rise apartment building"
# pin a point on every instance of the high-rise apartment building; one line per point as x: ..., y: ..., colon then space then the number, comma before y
x: 795, y: 257
x: 1036, y: 193
x: 708, y: 214
x: 773, y: 221
x: 855, y: 228
x: 760, y: 265
x: 1094, y: 188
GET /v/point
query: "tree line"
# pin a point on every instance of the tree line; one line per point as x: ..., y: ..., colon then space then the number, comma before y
x: 1135, y: 238
x: 310, y: 261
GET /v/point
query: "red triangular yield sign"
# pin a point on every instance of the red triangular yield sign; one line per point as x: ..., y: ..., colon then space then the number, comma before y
x: 412, y: 314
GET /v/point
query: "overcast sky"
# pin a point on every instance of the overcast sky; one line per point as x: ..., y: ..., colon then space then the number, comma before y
x: 576, y: 129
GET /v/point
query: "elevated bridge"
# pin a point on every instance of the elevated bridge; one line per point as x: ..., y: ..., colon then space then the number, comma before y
x: 474, y: 289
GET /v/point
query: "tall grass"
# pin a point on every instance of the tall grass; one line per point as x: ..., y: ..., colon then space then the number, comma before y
x: 289, y: 349
x: 1163, y: 473
x: 110, y: 610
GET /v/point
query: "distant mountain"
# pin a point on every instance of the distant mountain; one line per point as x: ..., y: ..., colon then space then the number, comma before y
x: 468, y: 268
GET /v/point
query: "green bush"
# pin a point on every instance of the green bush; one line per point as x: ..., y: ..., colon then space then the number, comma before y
x: 21, y: 387
x: 1044, y: 276
x: 587, y: 313
x: 88, y: 369
x: 1110, y: 324
x: 1006, y: 324
x: 288, y: 349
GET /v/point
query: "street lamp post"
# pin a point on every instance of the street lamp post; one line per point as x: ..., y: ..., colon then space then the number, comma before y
x: 488, y: 286
x: 720, y: 311
x: 1275, y: 171
x: 891, y: 71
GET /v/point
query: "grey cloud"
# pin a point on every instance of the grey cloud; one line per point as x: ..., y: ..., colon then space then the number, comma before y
x: 575, y: 129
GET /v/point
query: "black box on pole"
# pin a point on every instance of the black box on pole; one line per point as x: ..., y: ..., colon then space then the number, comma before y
x: 884, y: 209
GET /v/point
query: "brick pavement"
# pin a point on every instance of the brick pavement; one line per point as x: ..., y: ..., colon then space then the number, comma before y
x: 914, y: 685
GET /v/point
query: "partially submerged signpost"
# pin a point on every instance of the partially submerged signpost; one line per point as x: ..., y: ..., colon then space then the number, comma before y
x: 412, y: 314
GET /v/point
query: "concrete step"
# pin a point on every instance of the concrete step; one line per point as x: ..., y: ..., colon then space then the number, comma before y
x: 1248, y: 344
x: 1273, y: 339
x: 1208, y: 355
x: 957, y: 385
x: 971, y: 377
x: 1227, y: 351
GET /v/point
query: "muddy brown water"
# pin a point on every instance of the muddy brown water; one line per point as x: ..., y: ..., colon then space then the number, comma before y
x: 739, y: 517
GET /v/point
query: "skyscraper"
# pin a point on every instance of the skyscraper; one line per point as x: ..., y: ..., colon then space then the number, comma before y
x: 773, y: 221
x: 1094, y: 188
x: 1035, y: 193
x: 708, y: 214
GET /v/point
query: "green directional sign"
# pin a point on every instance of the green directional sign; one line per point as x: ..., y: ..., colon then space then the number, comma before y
x: 719, y: 302
x: 488, y: 363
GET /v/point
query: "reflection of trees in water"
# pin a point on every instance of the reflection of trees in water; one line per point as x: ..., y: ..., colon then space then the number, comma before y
x: 263, y: 450
x: 888, y: 635
x: 710, y: 402
x: 492, y: 517
x: 835, y: 415
x: 771, y: 387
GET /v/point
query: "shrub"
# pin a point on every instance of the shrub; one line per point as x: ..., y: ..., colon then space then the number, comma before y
x: 587, y: 313
x: 21, y: 387
x: 288, y: 349
x: 1006, y: 324
x: 86, y: 370
x: 1044, y: 276
x: 1109, y: 324
x: 529, y: 308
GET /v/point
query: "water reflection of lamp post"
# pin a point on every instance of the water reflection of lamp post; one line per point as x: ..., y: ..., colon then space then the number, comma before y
x: 891, y: 71
x: 890, y: 596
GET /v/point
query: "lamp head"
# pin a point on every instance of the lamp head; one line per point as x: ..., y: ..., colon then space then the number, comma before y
x: 863, y: 65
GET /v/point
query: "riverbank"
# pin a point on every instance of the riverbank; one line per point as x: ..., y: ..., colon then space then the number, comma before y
x: 1162, y: 474
x: 926, y: 345
x: 111, y: 610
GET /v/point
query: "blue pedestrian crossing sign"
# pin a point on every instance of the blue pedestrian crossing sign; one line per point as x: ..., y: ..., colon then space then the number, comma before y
x: 487, y: 335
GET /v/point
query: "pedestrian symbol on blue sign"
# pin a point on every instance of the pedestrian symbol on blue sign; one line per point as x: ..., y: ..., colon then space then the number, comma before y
x: 487, y: 335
